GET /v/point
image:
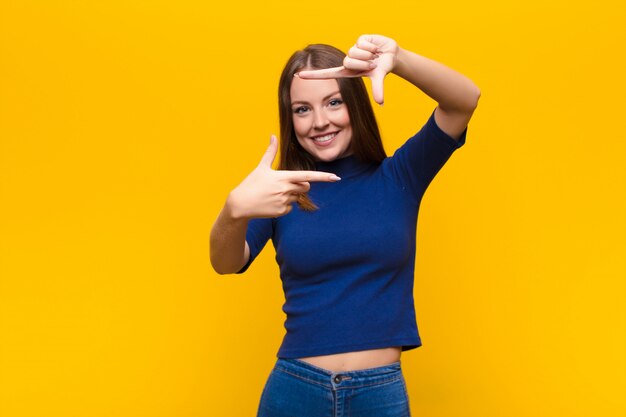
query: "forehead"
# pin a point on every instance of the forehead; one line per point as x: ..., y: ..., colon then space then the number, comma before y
x: 312, y: 90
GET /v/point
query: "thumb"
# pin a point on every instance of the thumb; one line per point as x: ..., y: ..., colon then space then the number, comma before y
x: 378, y: 79
x: 270, y: 153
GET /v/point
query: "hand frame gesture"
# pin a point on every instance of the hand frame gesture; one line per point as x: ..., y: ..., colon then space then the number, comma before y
x: 373, y: 56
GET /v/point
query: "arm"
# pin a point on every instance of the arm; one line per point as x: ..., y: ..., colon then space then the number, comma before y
x: 229, y: 249
x: 375, y: 56
x: 263, y: 194
x: 456, y: 95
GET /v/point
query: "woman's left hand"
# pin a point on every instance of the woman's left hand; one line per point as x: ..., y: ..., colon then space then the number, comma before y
x: 373, y: 56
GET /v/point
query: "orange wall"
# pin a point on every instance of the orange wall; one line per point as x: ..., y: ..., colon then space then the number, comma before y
x: 124, y: 124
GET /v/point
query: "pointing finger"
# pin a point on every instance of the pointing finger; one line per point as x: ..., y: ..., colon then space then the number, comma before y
x: 337, y: 72
x: 270, y: 153
x: 309, y: 176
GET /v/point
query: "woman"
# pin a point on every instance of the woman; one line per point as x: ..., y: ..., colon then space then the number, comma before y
x: 342, y: 217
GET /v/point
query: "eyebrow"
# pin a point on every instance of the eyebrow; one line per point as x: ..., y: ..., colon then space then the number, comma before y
x: 324, y: 99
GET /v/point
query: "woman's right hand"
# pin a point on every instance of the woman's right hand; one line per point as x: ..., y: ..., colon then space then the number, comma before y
x: 266, y: 192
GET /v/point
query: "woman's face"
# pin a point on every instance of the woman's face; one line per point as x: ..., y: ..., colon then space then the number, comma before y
x: 320, y: 118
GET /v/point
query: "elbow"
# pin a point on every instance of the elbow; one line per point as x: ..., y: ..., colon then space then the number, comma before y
x: 471, y: 102
x: 225, y: 269
x: 217, y: 269
x: 472, y: 98
x: 220, y: 271
x: 464, y: 103
x: 220, y: 268
x: 476, y: 96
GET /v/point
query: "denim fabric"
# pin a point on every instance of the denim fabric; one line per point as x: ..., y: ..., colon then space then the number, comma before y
x: 298, y: 389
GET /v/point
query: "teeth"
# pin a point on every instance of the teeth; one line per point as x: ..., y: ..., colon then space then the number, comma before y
x: 325, y: 138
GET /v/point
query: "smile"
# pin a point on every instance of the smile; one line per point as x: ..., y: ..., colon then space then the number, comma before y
x: 325, y: 138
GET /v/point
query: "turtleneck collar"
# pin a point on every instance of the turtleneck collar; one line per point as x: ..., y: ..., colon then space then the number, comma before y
x: 345, y: 167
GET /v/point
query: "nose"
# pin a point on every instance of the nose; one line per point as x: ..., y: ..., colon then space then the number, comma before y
x: 320, y: 121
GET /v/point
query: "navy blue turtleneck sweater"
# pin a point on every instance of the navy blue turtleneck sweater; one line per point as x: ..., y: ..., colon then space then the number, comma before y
x: 348, y: 268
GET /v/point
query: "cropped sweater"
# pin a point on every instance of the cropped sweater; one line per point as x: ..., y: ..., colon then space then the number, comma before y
x: 347, y: 269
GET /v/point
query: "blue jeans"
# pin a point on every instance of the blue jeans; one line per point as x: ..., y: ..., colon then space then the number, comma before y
x: 298, y: 389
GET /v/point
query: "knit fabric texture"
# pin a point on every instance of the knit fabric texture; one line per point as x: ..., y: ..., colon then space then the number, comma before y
x: 347, y: 269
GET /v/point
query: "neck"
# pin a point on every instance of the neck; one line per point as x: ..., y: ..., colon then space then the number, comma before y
x: 345, y: 166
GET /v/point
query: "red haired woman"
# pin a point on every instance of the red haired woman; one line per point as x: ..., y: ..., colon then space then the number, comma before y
x: 342, y: 216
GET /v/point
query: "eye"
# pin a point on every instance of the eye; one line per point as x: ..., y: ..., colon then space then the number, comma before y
x: 335, y: 102
x: 300, y: 110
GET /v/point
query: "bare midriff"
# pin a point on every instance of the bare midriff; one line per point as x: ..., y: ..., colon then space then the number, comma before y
x: 354, y: 361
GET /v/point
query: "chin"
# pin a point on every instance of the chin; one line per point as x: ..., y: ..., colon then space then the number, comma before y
x: 325, y: 158
x: 329, y: 156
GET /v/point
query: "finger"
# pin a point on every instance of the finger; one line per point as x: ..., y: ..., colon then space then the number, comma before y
x: 337, y: 72
x: 377, y: 87
x: 366, y: 42
x: 293, y: 198
x: 300, y: 187
x: 308, y: 176
x: 358, y: 53
x: 358, y: 65
x: 270, y: 153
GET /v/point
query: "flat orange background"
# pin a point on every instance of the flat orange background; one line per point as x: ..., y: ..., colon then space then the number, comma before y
x: 124, y: 125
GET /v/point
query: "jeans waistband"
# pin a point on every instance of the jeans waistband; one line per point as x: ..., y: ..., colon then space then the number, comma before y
x: 344, y: 379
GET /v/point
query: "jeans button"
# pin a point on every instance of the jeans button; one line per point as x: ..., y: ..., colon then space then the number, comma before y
x: 337, y: 379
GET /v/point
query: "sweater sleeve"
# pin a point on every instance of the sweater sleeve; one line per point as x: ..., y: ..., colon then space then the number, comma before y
x: 259, y: 231
x: 414, y: 165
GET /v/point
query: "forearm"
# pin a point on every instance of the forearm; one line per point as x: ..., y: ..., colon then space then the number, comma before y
x: 450, y: 89
x: 228, y: 241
